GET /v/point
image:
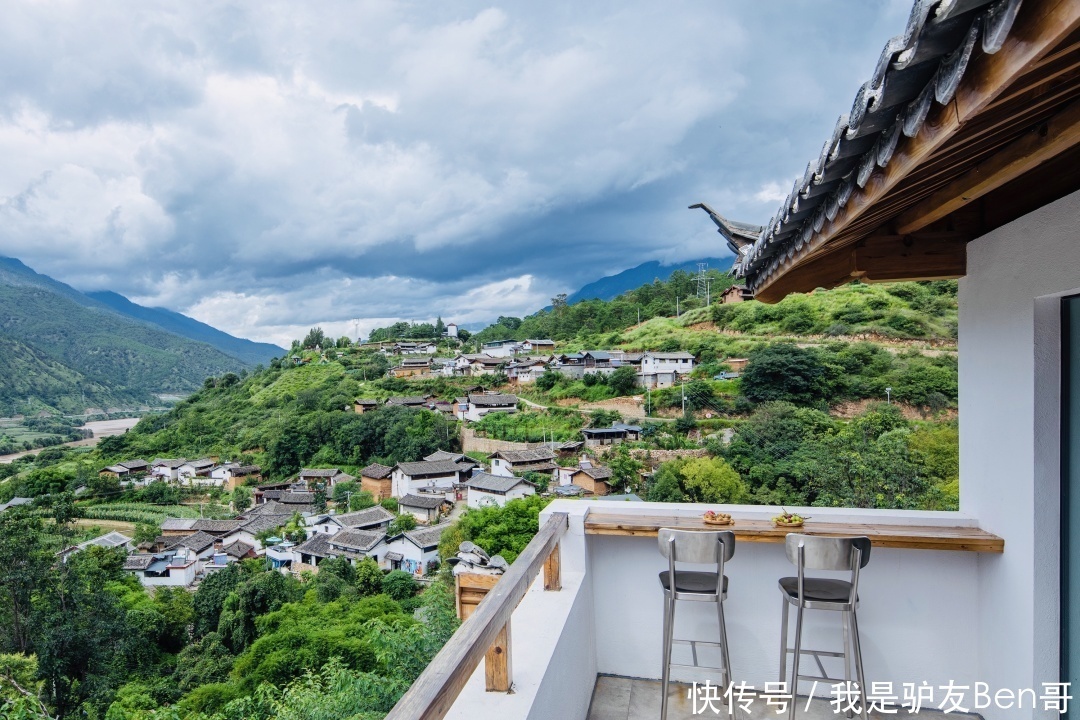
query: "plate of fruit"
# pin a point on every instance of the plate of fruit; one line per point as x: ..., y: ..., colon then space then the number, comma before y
x: 717, y: 518
x: 789, y: 520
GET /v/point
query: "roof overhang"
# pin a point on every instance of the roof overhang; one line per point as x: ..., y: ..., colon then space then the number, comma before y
x: 993, y: 135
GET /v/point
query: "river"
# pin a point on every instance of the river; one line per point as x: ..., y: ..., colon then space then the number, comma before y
x: 100, y: 428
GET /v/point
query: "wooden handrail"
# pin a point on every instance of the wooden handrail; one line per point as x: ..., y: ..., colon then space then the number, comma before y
x: 434, y: 692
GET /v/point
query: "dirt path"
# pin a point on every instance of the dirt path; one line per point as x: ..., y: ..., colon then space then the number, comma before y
x: 119, y: 526
x: 100, y: 428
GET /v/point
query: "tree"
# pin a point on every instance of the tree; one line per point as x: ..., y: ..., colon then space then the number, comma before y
x: 25, y: 558
x: 368, y: 577
x: 146, y: 533
x: 623, y: 381
x: 315, y: 338
x: 785, y: 372
x: 241, y: 498
x: 625, y: 470
x: 665, y: 486
x: 402, y: 523
x: 390, y: 504
x: 710, y: 480
x: 399, y: 585
x: 440, y: 327
x: 210, y: 597
x: 344, y: 489
x: 256, y: 596
x: 361, y: 501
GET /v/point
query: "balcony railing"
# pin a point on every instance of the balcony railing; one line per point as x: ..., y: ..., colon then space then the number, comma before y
x: 486, y: 634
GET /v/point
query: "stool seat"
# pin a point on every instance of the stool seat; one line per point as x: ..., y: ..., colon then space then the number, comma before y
x: 692, y: 581
x: 818, y: 590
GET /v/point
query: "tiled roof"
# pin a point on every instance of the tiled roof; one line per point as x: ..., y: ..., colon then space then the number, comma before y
x: 427, y: 502
x: 201, y: 464
x: 138, y: 562
x: 424, y: 468
x: 238, y: 549
x: 357, y: 540
x: 317, y: 545
x: 245, y: 470
x: 596, y: 472
x: 166, y: 462
x: 297, y: 498
x: 407, y: 401
x: 445, y: 455
x: 265, y: 522
x: 670, y: 355
x: 524, y: 456
x: 198, y: 542
x: 313, y: 472
x: 487, y: 482
x: 215, y: 526
x: 917, y: 69
x: 177, y: 523
x: 427, y: 537
x: 365, y: 518
x: 376, y: 471
x: 493, y: 400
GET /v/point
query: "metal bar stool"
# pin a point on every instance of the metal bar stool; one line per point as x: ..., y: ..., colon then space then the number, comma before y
x: 695, y: 548
x: 808, y: 552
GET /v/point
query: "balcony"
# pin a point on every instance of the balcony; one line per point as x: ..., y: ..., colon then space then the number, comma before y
x: 538, y: 642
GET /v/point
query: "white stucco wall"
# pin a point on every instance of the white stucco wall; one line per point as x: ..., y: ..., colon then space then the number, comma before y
x: 1009, y: 430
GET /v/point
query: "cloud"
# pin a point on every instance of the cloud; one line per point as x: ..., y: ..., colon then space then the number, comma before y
x: 267, y: 168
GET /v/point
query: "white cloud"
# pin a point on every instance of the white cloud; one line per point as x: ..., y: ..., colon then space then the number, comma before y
x: 276, y: 166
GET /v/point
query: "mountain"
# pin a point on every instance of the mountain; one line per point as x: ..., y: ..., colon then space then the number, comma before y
x: 610, y: 287
x: 64, y: 350
x: 253, y: 353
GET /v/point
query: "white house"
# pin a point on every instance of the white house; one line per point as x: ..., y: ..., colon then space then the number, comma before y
x: 538, y: 346
x: 509, y: 462
x: 486, y: 489
x: 175, y: 567
x: 451, y: 330
x: 329, y: 477
x: 501, y: 348
x: 664, y: 369
x: 424, y: 507
x: 165, y: 468
x: 409, y: 477
x: 482, y: 404
x: 197, y: 472
x: 411, y: 551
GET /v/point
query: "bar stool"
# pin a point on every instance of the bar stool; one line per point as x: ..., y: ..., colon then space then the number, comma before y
x: 694, y: 548
x: 808, y: 552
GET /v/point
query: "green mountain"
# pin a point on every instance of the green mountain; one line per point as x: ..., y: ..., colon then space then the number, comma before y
x: 63, y: 350
x: 249, y: 351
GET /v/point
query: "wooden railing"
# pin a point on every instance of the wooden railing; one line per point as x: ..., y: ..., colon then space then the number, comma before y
x: 486, y: 634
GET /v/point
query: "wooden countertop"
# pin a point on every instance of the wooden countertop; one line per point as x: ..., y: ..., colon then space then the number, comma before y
x: 915, y: 537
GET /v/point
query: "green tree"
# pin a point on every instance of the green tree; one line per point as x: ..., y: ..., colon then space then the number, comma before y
x: 402, y: 523
x: 784, y: 371
x: 710, y: 480
x: 25, y: 558
x: 241, y: 498
x: 368, y: 577
x: 315, y: 338
x: 361, y: 501
x: 625, y: 470
x: 623, y: 381
x: 399, y: 585
x: 343, y: 489
x: 665, y: 486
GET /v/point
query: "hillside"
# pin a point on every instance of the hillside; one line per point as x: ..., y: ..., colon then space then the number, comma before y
x: 62, y: 346
x: 250, y: 352
x: 611, y: 286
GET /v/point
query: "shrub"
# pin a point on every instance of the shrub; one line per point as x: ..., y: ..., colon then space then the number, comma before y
x: 399, y: 585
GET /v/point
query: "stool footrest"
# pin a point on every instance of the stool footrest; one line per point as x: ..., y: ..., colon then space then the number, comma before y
x: 696, y: 667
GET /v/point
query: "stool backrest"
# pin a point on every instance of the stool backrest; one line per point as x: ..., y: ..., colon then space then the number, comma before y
x: 827, y: 553
x: 694, y: 546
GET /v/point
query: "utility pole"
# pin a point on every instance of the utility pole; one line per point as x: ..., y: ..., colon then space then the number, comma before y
x: 702, y: 280
x: 676, y: 306
x: 684, y: 397
x: 888, y: 395
x: 648, y: 401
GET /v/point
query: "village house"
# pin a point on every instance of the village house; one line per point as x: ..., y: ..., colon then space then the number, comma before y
x: 410, y: 477
x: 664, y: 369
x: 486, y: 489
x: 514, y: 462
x: 410, y: 367
x: 374, y: 518
x: 196, y: 472
x: 325, y: 477
x: 500, y: 348
x: 593, y: 479
x: 269, y: 491
x: 419, y: 347
x: 735, y: 294
x: 378, y: 480
x: 538, y: 346
x: 354, y: 545
x: 217, y: 528
x: 424, y: 507
x: 614, y: 435
x: 416, y: 401
x: 526, y: 370
x: 232, y: 475
x: 180, y: 527
x: 481, y: 405
x: 108, y: 540
x: 413, y: 551
x: 485, y: 365
x: 175, y: 568
x: 363, y: 405
x: 166, y: 469
x: 126, y: 469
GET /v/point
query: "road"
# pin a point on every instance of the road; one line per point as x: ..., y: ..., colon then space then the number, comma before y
x: 100, y: 428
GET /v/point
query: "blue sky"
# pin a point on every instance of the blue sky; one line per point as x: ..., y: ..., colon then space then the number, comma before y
x: 265, y: 167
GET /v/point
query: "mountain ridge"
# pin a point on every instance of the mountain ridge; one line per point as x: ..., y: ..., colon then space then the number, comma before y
x: 611, y: 286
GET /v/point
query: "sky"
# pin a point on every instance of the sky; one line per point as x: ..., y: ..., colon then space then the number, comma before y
x: 266, y: 167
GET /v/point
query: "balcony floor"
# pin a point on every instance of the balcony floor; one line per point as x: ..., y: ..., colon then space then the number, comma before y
x: 619, y: 698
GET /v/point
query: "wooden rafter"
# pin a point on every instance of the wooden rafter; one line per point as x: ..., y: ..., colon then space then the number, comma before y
x: 1031, y: 150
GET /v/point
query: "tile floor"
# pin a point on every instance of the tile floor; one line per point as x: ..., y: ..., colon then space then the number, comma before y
x: 619, y: 698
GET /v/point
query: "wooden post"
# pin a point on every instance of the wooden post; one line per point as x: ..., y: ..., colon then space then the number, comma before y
x: 498, y: 669
x: 552, y: 570
x: 471, y: 589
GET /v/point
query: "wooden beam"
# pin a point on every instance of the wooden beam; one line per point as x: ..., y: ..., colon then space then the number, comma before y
x: 553, y: 570
x: 902, y: 257
x: 433, y: 693
x: 1040, y: 27
x: 1033, y: 148
x: 498, y: 667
